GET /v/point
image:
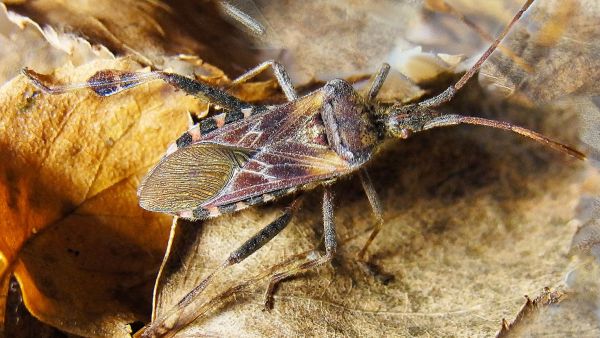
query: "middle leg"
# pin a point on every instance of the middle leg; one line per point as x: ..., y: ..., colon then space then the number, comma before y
x: 364, y: 264
x: 377, y: 82
x: 367, y: 184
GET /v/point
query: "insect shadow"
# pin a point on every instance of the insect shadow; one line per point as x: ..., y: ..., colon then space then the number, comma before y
x: 253, y: 154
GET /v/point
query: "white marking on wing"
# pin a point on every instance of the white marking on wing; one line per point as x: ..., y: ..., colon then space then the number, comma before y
x: 259, y: 173
x: 258, y: 135
x: 247, y: 112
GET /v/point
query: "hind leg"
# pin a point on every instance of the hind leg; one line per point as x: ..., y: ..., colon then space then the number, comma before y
x: 330, y: 248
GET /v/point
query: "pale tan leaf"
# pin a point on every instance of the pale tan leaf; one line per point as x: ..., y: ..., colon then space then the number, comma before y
x: 557, y: 41
x: 149, y: 30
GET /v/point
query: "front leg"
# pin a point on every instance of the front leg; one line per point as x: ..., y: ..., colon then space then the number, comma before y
x: 280, y: 74
x: 377, y: 83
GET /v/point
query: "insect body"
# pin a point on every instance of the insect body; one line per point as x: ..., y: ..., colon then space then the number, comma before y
x: 321, y: 136
x: 252, y: 154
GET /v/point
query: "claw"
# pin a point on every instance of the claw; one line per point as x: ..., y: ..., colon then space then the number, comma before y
x: 374, y: 270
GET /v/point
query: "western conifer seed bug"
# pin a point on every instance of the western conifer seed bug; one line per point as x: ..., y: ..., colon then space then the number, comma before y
x: 252, y: 154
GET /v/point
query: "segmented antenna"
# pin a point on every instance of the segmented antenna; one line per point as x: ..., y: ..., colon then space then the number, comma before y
x: 452, y: 120
x: 449, y: 93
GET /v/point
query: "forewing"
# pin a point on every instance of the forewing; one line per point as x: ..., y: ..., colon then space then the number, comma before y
x: 282, y: 168
x: 190, y: 177
x: 289, y: 149
x: 292, y: 151
x: 279, y: 124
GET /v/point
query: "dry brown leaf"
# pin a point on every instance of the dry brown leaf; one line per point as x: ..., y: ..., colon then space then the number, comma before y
x: 19, y: 323
x: 83, y: 252
x: 462, y: 26
x: 558, y: 41
x: 324, y: 40
x: 531, y: 310
x: 589, y: 125
x: 572, y: 309
x: 25, y: 43
x: 149, y: 30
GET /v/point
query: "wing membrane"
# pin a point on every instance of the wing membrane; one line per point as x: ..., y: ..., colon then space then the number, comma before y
x: 190, y: 177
